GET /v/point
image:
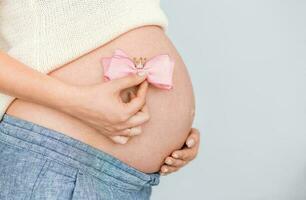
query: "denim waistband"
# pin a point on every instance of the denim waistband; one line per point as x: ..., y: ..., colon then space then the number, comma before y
x: 63, y: 148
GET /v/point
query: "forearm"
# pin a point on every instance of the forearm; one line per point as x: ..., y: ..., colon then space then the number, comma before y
x: 21, y: 81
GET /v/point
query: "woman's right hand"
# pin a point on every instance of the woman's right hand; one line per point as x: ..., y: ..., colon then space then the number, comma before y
x: 98, y: 105
x: 101, y: 107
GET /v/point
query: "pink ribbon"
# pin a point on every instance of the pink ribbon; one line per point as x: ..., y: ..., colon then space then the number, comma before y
x: 159, y: 69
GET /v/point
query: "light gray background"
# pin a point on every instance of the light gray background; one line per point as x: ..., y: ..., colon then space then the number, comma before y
x: 247, y: 60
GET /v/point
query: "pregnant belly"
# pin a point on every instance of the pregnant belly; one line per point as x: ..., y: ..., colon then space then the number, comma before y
x: 171, y: 112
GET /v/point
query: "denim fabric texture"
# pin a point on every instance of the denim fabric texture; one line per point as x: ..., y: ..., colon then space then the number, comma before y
x: 37, y: 163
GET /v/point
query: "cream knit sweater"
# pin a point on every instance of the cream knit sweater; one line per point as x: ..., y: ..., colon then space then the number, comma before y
x: 47, y: 34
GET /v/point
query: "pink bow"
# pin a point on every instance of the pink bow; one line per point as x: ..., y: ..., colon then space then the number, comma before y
x: 159, y: 69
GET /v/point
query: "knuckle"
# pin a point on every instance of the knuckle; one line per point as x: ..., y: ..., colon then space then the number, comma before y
x: 128, y: 112
x: 183, y: 163
x: 108, y: 129
x: 184, y: 156
x: 189, y: 157
x: 121, y: 117
x: 115, y: 129
x: 124, y: 117
x: 176, y: 162
x: 108, y: 133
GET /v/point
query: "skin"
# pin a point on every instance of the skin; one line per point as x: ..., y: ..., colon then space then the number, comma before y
x: 20, y: 81
x: 80, y: 98
x: 180, y: 158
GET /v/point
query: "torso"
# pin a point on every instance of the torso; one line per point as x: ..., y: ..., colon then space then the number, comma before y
x: 171, y: 112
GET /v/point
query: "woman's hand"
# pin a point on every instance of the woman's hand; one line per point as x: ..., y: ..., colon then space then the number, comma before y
x: 180, y: 158
x: 101, y: 107
x: 127, y: 96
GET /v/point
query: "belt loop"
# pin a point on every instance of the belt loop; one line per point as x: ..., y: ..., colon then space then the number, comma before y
x: 155, y: 179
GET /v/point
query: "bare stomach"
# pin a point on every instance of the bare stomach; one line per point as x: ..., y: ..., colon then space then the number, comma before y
x: 171, y: 112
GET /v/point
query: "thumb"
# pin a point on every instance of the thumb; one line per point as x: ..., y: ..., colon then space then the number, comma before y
x: 131, y: 95
x: 129, y: 81
x: 193, y: 138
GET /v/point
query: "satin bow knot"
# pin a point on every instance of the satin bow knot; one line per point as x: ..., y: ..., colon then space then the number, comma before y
x: 159, y: 69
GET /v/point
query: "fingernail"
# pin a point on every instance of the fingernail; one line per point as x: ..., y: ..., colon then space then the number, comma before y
x: 121, y: 139
x: 141, y: 73
x: 190, y: 143
x: 175, y: 155
x: 169, y: 161
x: 135, y: 133
x: 165, y: 170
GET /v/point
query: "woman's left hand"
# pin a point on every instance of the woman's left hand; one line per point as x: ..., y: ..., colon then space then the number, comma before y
x: 180, y: 158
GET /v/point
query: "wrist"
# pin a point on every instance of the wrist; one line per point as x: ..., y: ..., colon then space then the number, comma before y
x: 62, y: 96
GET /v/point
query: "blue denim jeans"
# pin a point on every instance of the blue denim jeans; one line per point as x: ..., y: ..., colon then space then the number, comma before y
x: 37, y: 163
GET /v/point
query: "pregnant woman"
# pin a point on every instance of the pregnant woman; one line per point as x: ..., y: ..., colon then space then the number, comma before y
x: 66, y: 132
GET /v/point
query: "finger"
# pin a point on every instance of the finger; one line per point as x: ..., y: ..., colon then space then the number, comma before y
x: 133, y: 131
x: 120, y: 139
x: 165, y: 170
x: 131, y: 95
x: 136, y: 120
x: 145, y: 109
x: 193, y: 138
x: 175, y: 162
x: 138, y: 102
x: 185, y: 154
x: 128, y: 81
